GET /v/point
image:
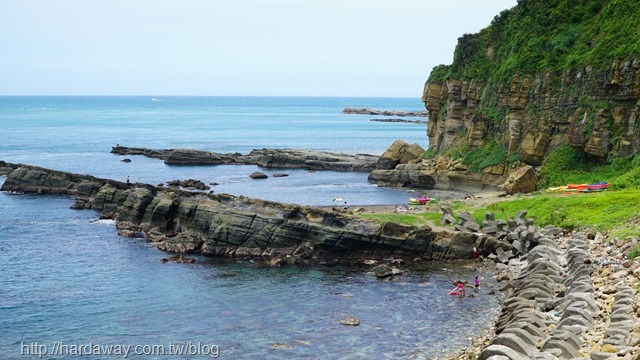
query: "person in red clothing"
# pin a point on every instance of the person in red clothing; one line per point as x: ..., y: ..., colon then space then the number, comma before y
x: 458, y: 290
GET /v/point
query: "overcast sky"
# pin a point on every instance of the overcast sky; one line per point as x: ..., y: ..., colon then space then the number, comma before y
x: 231, y: 47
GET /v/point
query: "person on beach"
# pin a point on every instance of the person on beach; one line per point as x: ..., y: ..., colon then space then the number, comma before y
x: 128, y: 179
x: 476, y: 283
x: 458, y: 290
x: 346, y: 205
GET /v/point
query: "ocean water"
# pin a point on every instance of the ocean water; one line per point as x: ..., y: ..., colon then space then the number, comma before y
x: 68, y: 279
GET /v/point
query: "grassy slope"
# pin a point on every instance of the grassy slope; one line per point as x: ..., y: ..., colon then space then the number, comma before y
x: 613, y: 211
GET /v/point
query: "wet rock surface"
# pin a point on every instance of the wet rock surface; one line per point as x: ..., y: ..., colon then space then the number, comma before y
x: 400, y: 121
x: 189, y: 184
x: 184, y: 222
x: 268, y: 158
x: 369, y: 111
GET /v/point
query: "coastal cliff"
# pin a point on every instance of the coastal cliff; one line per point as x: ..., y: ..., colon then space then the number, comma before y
x: 543, y: 74
x: 225, y: 225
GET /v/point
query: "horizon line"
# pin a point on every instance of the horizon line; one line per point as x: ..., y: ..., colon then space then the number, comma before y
x: 274, y: 96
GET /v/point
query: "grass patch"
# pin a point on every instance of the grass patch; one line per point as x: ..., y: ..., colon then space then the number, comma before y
x: 406, y: 219
x: 634, y: 252
x: 430, y: 153
x: 600, y: 211
x: 567, y: 165
x: 625, y: 232
x: 492, y: 153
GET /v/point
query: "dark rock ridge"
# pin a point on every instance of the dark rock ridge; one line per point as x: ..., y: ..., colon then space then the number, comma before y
x: 224, y: 225
x: 189, y: 184
x: 369, y: 111
x: 268, y: 158
x: 400, y: 121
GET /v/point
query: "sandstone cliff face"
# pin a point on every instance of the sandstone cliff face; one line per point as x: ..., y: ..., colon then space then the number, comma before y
x: 225, y: 225
x: 403, y: 165
x: 597, y: 111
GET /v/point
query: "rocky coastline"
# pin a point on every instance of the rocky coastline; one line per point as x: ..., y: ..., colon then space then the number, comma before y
x: 405, y: 165
x: 369, y: 111
x: 184, y: 222
x: 267, y: 158
x: 564, y: 296
x: 395, y: 120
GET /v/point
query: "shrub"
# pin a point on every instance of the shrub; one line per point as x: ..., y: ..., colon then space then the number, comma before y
x: 490, y: 154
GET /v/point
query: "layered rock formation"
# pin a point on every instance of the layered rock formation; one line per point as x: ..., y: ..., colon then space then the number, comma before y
x: 403, y: 165
x: 369, y: 111
x: 596, y: 111
x: 188, y: 222
x: 541, y: 74
x: 268, y: 158
x: 394, y: 120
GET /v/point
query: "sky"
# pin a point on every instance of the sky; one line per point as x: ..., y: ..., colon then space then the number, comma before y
x: 361, y: 48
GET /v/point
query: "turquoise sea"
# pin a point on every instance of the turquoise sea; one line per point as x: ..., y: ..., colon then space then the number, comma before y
x: 68, y: 279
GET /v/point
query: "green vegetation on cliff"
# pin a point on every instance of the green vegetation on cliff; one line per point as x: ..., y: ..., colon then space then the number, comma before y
x: 544, y: 73
x: 549, y: 35
x: 566, y: 165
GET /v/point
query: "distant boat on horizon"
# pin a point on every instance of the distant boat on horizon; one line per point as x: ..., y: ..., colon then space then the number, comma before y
x: 154, y: 99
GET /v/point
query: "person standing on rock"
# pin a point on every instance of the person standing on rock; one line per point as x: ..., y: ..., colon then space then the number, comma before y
x: 128, y: 180
x: 476, y: 255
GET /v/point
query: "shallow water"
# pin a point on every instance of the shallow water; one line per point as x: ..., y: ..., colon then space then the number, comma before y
x: 65, y: 277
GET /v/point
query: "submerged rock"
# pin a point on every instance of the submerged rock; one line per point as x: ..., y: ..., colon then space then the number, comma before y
x: 350, y: 322
x: 258, y: 175
x: 383, y: 271
x: 190, y: 184
x: 178, y: 259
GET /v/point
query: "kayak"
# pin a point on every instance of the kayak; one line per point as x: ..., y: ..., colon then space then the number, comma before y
x: 577, y: 188
x: 557, y: 189
x: 418, y: 201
